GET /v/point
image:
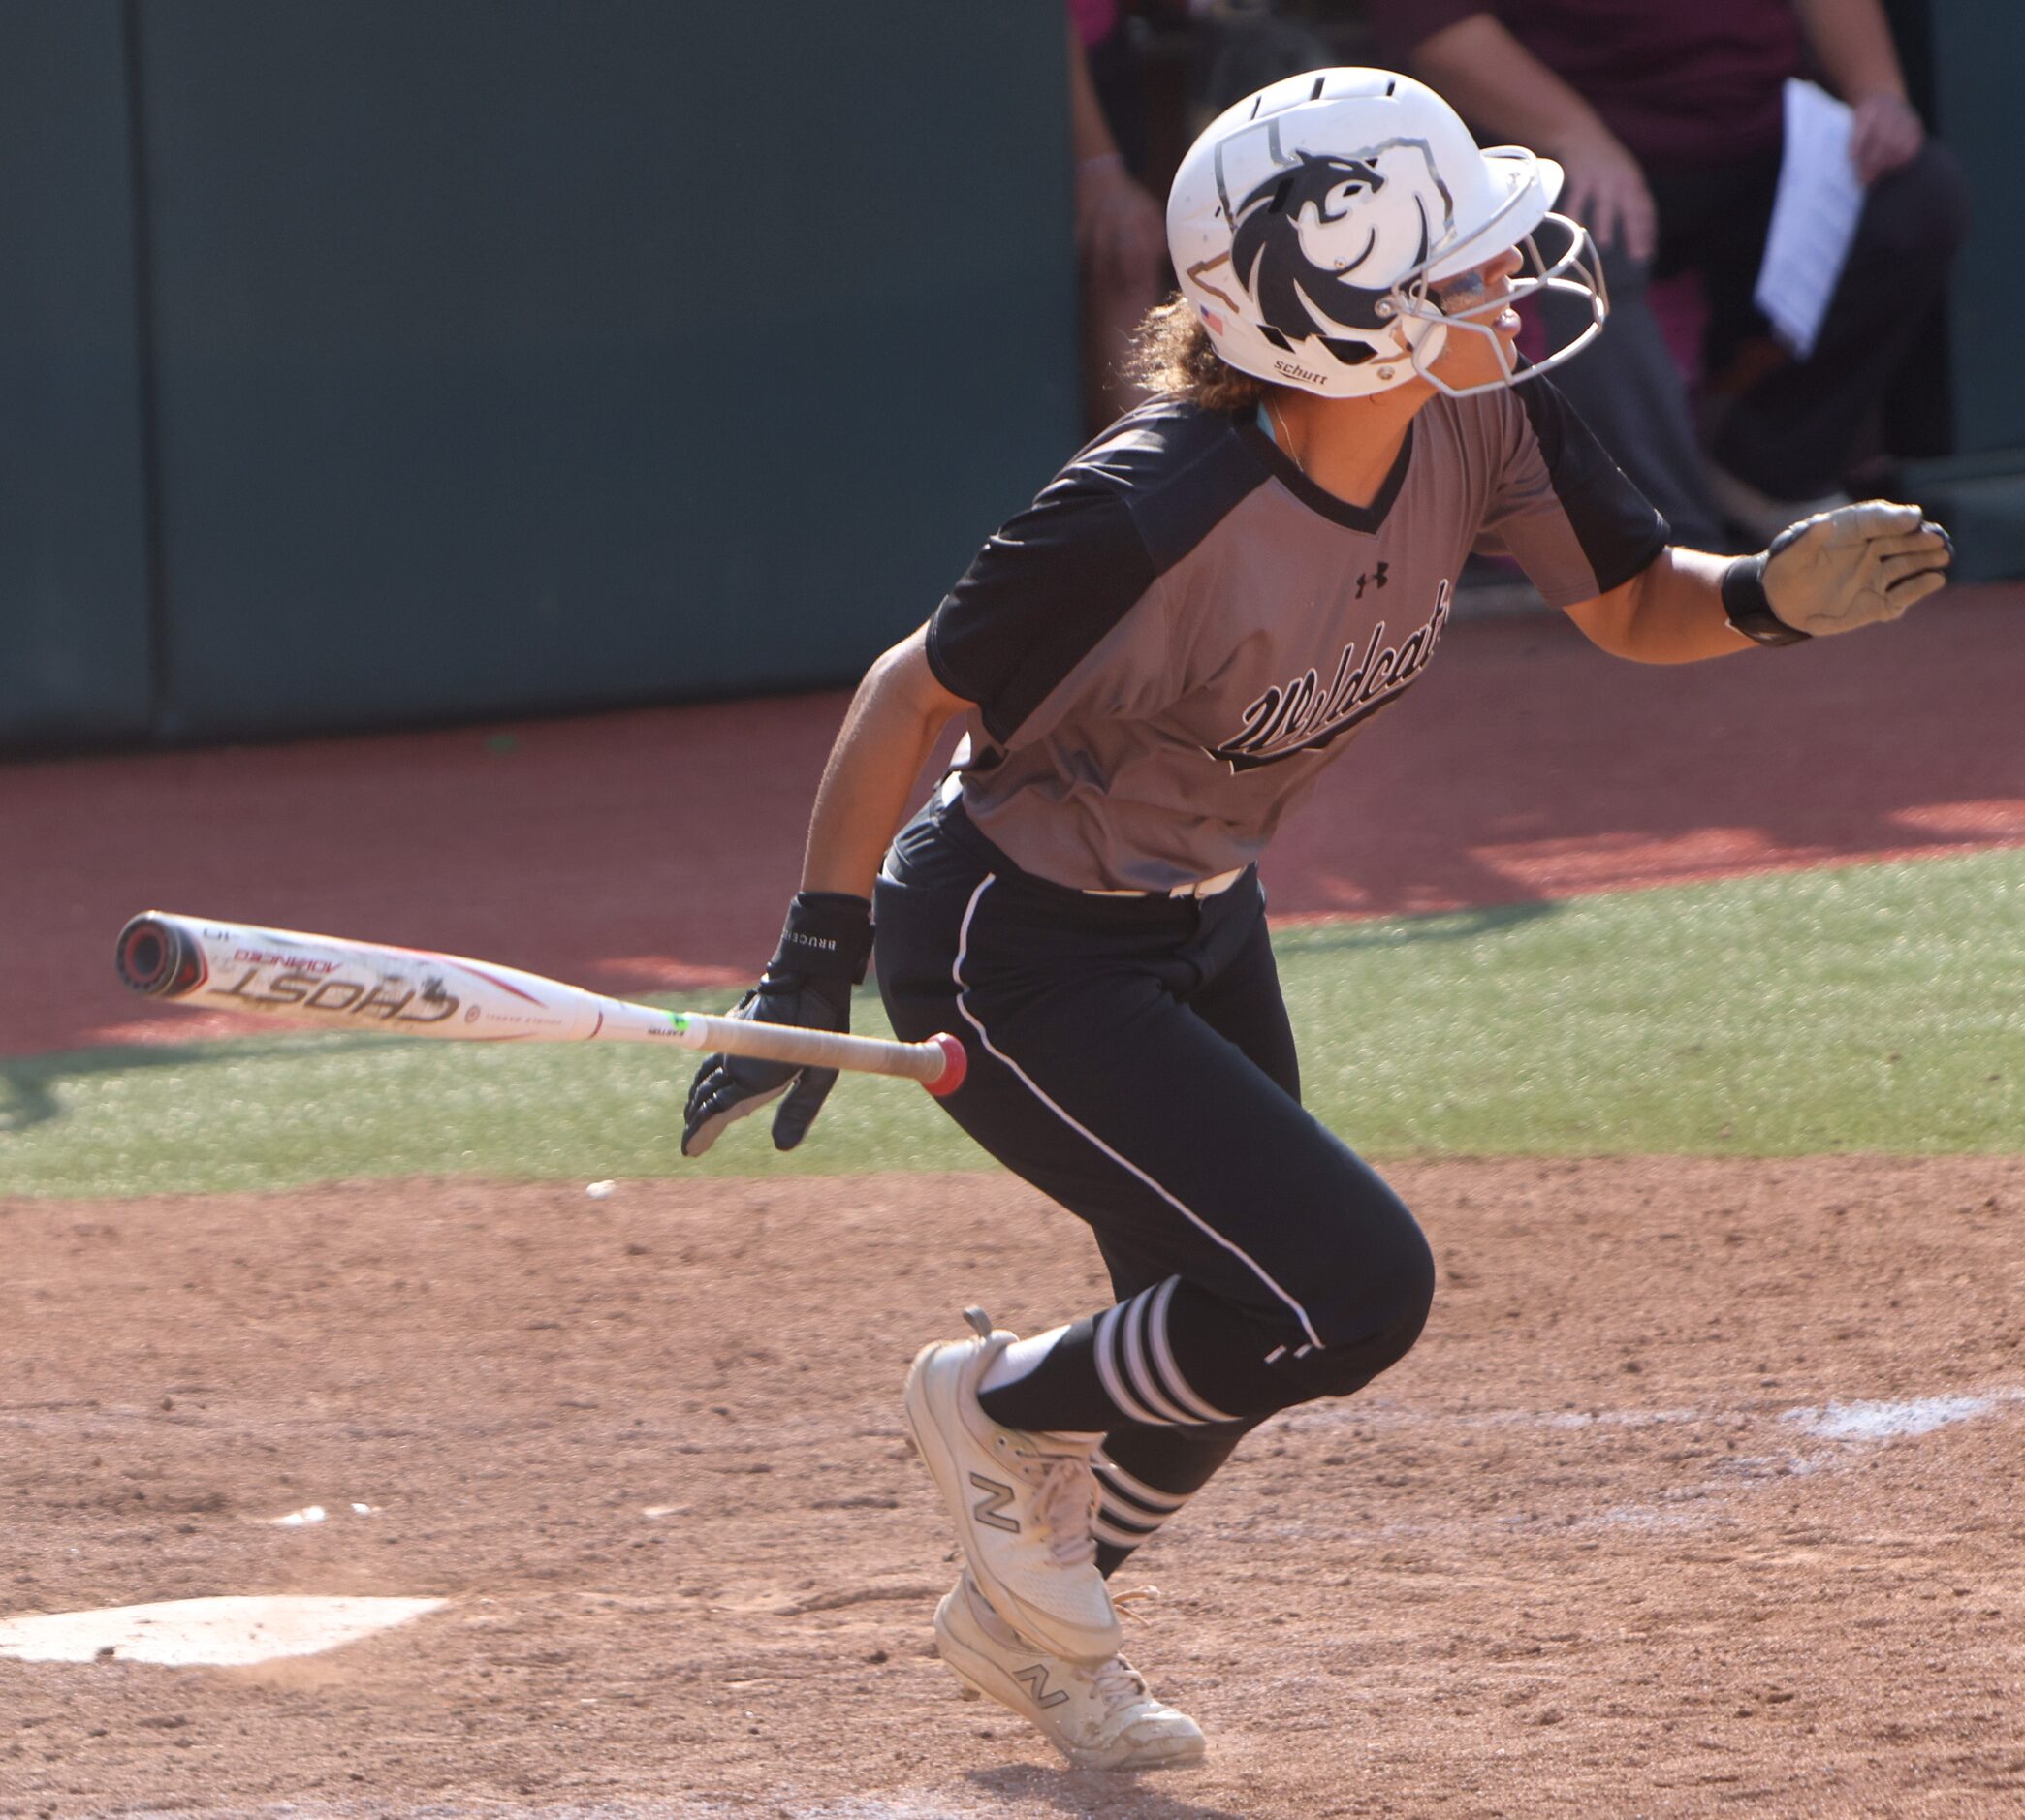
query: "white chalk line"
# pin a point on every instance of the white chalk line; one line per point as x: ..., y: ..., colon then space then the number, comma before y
x: 1897, y: 1420
x: 1842, y: 1431
x: 1834, y: 1420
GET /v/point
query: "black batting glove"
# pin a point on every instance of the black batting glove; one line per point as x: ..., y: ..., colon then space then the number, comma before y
x: 824, y: 951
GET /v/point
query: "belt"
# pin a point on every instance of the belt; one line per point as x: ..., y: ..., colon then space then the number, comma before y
x: 1195, y: 888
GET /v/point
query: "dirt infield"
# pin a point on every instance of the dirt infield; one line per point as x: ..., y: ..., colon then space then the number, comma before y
x: 654, y: 850
x: 1700, y: 1497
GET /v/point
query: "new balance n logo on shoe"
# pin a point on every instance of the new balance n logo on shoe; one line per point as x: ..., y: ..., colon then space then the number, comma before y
x: 991, y: 1509
x: 1037, y: 1682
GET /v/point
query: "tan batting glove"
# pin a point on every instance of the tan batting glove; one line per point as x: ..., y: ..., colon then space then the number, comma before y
x: 1852, y: 567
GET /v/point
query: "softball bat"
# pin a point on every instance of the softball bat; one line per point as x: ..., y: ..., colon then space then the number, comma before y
x: 412, y: 991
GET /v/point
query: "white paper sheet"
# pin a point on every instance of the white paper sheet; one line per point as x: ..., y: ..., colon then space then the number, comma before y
x: 1814, y: 217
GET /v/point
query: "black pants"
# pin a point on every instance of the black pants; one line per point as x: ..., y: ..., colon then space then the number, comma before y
x: 1131, y: 1058
x: 1793, y: 433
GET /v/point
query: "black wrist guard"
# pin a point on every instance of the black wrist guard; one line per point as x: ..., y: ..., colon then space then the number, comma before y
x: 827, y: 936
x: 1744, y: 602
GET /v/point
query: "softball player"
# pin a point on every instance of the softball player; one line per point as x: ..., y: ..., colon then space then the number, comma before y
x: 1153, y: 662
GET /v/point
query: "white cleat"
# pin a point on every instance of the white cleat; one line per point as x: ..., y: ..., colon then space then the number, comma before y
x: 1099, y: 1719
x: 1023, y: 1502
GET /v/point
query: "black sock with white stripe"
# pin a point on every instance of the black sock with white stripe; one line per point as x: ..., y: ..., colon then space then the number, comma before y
x: 1172, y: 1356
x: 1144, y: 1478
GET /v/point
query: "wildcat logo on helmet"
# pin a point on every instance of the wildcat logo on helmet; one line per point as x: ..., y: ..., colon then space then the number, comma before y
x: 1323, y: 240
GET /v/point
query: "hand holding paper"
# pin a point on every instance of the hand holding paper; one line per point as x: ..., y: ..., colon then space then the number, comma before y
x: 1814, y: 216
x: 1888, y: 132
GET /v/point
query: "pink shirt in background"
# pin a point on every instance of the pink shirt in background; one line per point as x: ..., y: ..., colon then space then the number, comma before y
x: 1093, y: 18
x: 1679, y: 81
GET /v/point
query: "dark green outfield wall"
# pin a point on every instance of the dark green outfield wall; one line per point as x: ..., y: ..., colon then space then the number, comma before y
x: 502, y: 354
x: 1979, y: 51
x: 75, y: 637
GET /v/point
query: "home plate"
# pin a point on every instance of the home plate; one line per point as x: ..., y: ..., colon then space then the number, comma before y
x: 211, y: 1633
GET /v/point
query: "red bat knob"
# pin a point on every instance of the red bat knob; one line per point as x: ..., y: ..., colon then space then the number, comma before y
x: 954, y: 1065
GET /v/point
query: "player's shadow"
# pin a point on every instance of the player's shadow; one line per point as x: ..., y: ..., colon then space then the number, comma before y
x: 1084, y: 1792
x: 1410, y: 931
x: 31, y: 1086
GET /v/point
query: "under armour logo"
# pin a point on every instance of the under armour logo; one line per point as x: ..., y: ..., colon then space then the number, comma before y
x: 990, y: 1508
x: 1036, y: 1680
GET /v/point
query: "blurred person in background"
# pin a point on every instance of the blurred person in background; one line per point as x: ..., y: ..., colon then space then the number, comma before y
x: 1235, y: 48
x: 1668, y: 118
x: 1242, y: 46
x: 1121, y: 235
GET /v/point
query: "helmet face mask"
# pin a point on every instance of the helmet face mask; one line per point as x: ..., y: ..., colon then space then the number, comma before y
x: 1313, y: 222
x: 1576, y: 274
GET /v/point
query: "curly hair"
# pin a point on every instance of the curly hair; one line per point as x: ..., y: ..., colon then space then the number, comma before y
x: 1172, y: 355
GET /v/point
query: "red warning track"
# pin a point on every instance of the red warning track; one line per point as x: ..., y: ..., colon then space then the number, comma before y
x: 656, y: 850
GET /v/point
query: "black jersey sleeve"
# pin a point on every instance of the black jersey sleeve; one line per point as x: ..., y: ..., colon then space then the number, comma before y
x: 1561, y: 506
x: 1039, y: 598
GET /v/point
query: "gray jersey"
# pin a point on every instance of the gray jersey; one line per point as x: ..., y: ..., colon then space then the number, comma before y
x: 1169, y: 645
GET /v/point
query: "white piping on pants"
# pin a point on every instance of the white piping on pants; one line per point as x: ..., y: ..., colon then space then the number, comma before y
x: 955, y: 972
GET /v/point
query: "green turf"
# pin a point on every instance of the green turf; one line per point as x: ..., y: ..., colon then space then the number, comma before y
x: 1874, y: 1008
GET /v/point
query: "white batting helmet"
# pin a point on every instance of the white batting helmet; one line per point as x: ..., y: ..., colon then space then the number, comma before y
x: 1313, y: 225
